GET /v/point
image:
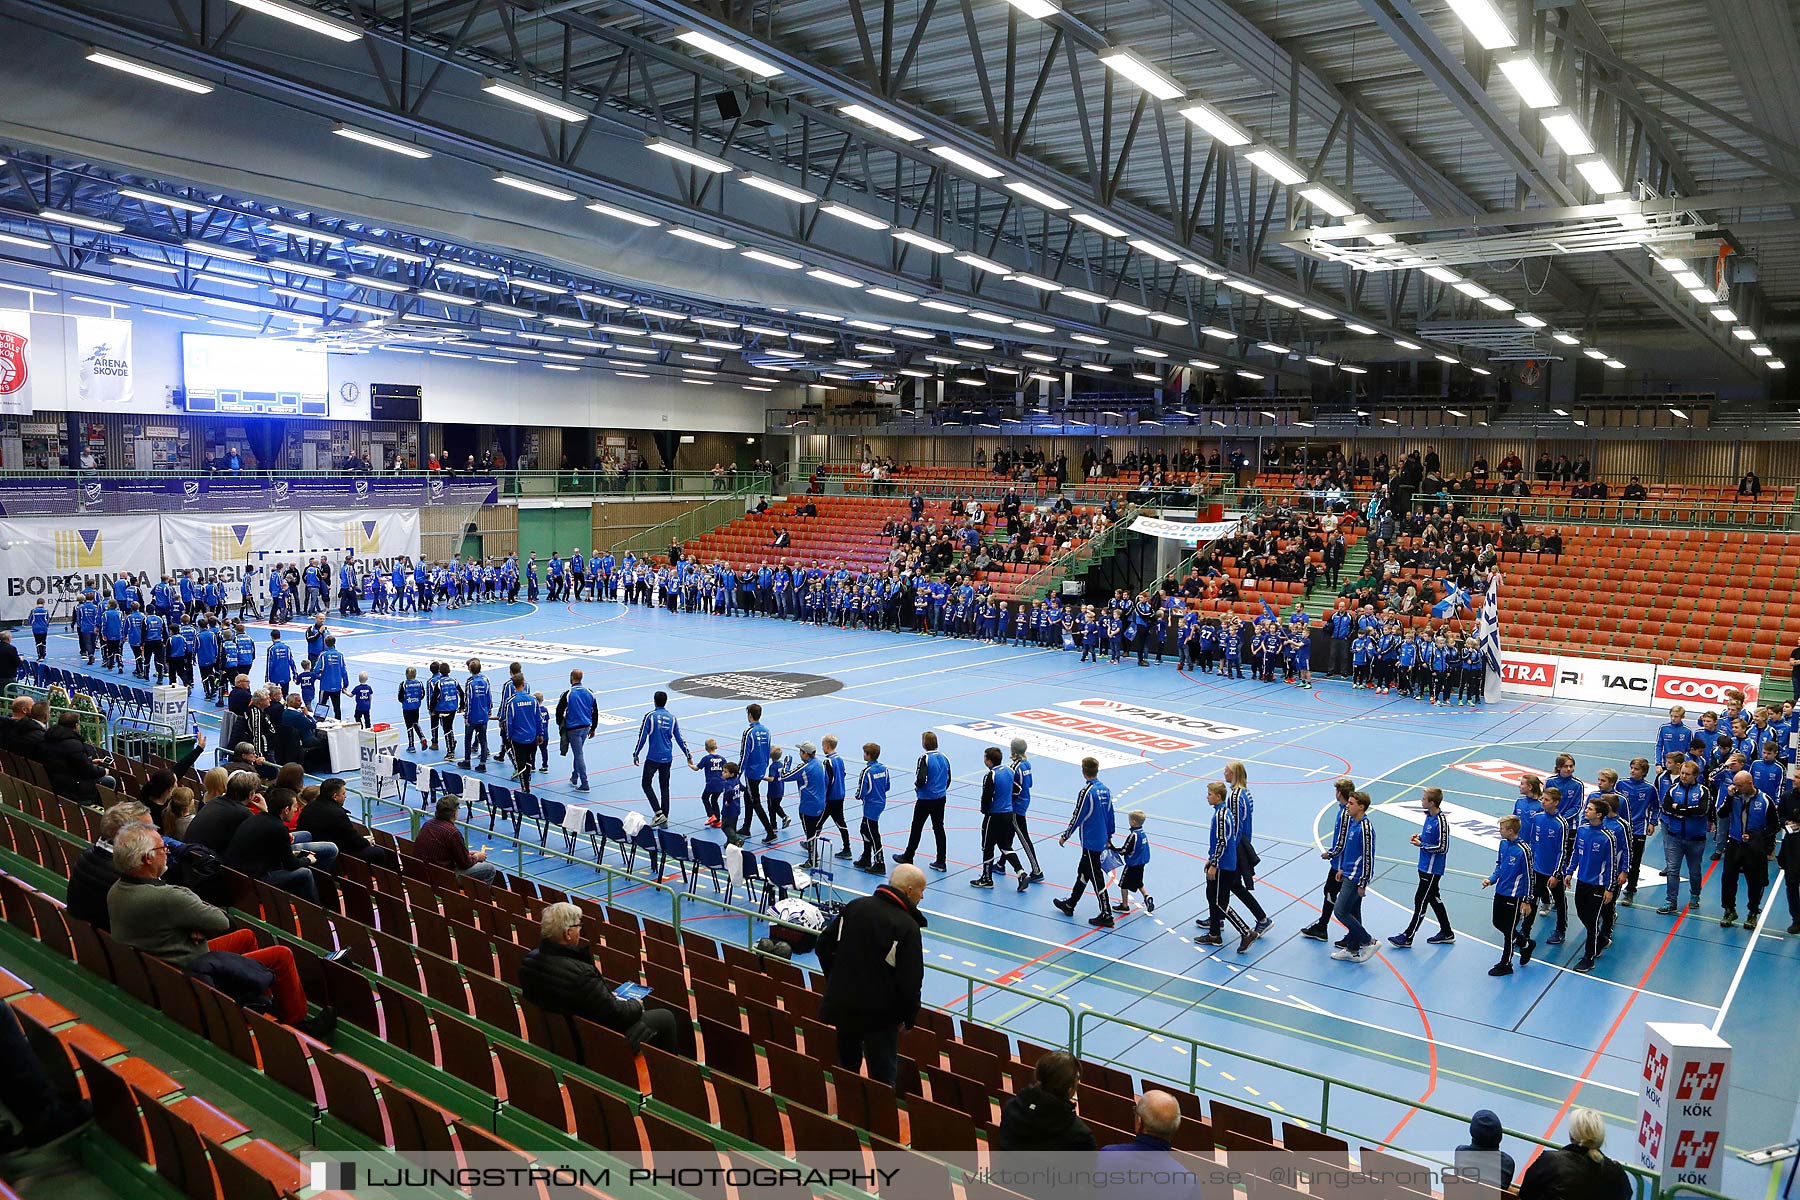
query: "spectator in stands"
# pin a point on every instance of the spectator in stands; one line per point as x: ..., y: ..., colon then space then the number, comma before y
x: 245, y: 760
x: 214, y: 825
x: 45, y: 1118
x: 302, y: 740
x: 1483, y: 1159
x: 155, y: 792
x: 20, y: 710
x: 1750, y: 486
x: 10, y: 662
x: 263, y: 848
x: 1635, y: 491
x: 94, y: 874
x: 77, y: 770
x: 237, y: 708
x: 440, y: 842
x: 325, y: 820
x: 1579, y: 1171
x: 171, y: 923
x: 1155, y: 1121
x: 31, y: 719
x: 782, y: 539
x: 212, y: 785
x: 560, y: 977
x: 873, y: 959
x: 1042, y: 1116
x: 180, y: 812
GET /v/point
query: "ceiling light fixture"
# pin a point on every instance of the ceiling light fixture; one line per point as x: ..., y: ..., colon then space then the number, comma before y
x: 1529, y: 81
x: 880, y: 120
x: 304, y: 18
x: 376, y: 140
x: 1130, y: 67
x: 688, y: 155
x: 1566, y: 338
x: 534, y: 187
x: 776, y: 188
x: 1153, y: 250
x: 1037, y: 195
x: 144, y: 197
x: 772, y: 260
x: 1484, y: 23
x: 1223, y: 129
x: 967, y: 162
x: 1097, y: 224
x: 626, y: 215
x: 914, y: 238
x: 761, y: 68
x: 1275, y: 166
x: 1326, y: 200
x: 79, y: 222
x: 704, y: 239
x: 844, y: 212
x: 143, y: 70
x: 1600, y: 176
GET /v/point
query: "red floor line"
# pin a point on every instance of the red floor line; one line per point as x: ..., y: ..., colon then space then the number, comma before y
x: 1569, y: 1101
x: 1430, y: 1040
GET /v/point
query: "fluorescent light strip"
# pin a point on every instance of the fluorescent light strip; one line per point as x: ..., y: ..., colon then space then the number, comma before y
x: 833, y: 278
x: 455, y: 268
x: 301, y: 231
x: 144, y: 197
x: 1484, y: 23
x: 79, y: 222
x: 1089, y: 339
x: 1326, y: 200
x: 532, y: 285
x: 380, y: 285
x: 391, y: 145
x: 626, y: 215
x: 967, y: 162
x: 761, y: 68
x: 534, y: 187
x: 1275, y: 166
x: 914, y: 238
x: 704, y: 239
x: 1033, y: 327
x: 1529, y: 81
x: 1221, y: 128
x: 1153, y: 250
x: 1567, y: 131
x: 879, y: 120
x: 507, y: 310
x: 772, y: 260
x: 1098, y: 224
x: 199, y: 247
x: 143, y: 70
x: 891, y: 294
x: 844, y: 212
x: 775, y: 187
x: 1037, y: 195
x: 304, y: 18
x: 11, y: 239
x: 688, y: 155
x: 525, y: 97
x: 1130, y: 67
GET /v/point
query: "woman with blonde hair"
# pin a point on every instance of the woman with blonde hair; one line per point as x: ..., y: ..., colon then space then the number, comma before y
x: 212, y: 784
x: 1237, y: 790
x: 180, y: 811
x: 1579, y: 1171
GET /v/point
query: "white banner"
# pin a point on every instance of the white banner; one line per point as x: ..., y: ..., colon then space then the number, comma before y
x: 15, y: 362
x: 101, y: 361
x: 368, y: 533
x: 1702, y: 686
x: 1532, y: 674
x: 1190, y: 533
x: 224, y: 542
x: 58, y: 557
x: 379, y: 746
x: 1610, y: 681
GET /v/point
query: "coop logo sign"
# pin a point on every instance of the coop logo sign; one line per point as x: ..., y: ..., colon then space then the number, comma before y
x: 756, y: 685
x: 1139, y: 714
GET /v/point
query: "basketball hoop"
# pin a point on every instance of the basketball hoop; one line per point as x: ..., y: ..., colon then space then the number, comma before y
x: 1530, y: 373
x: 1722, y: 286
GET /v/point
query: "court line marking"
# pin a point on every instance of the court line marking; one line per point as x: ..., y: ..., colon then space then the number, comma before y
x: 1772, y: 891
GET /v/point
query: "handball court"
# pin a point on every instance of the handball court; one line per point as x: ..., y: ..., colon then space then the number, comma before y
x: 1425, y: 1024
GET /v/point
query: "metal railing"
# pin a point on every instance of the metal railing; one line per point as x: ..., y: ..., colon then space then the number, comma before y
x: 591, y: 482
x: 684, y: 527
x: 1660, y: 513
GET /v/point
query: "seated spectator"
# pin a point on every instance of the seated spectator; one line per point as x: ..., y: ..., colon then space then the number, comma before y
x: 560, y: 977
x: 180, y: 812
x: 25, y: 736
x: 173, y: 924
x: 1042, y: 1116
x: 1155, y: 1121
x: 20, y: 710
x: 76, y: 769
x: 245, y: 758
x: 214, y: 825
x: 156, y: 793
x: 1635, y: 490
x: 301, y: 740
x: 325, y: 820
x: 94, y: 873
x: 1483, y: 1159
x: 1579, y: 1171
x: 440, y: 842
x: 262, y: 848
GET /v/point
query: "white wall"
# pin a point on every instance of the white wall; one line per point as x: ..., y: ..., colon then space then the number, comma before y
x: 455, y: 390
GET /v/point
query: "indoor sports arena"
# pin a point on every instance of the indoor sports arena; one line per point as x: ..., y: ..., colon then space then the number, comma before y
x: 656, y: 600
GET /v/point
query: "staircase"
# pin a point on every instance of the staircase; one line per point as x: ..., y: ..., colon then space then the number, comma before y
x: 1324, y: 599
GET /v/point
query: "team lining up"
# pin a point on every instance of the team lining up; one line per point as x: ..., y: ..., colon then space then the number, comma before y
x: 1596, y: 841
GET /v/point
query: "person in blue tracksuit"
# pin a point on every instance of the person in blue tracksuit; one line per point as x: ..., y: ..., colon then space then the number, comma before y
x: 1433, y: 841
x: 444, y: 696
x: 1675, y: 735
x: 1358, y: 859
x: 781, y: 765
x: 1552, y: 841
x: 931, y: 784
x: 1687, y: 819
x: 40, y: 626
x: 835, y: 786
x: 1318, y: 931
x: 658, y: 735
x: 181, y: 655
x: 1223, y: 844
x: 411, y: 695
x: 362, y: 698
x: 478, y: 708
x: 134, y: 637
x: 278, y: 663
x: 334, y: 677
x: 316, y: 633
x: 753, y: 764
x: 1134, y: 855
x: 871, y: 796
x: 1093, y: 821
x: 523, y: 719
x: 1749, y: 816
x: 1638, y: 797
x: 1511, y: 880
x: 307, y: 680
x: 112, y: 637
x: 243, y: 651
x: 712, y: 767
x: 1594, y: 864
x: 809, y: 773
x: 1021, y: 768
x: 577, y: 710
x: 998, y: 791
x: 156, y: 636
x: 1243, y: 876
x: 206, y: 655
x: 1572, y: 791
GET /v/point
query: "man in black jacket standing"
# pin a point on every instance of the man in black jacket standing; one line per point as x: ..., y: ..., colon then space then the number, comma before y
x: 560, y: 977
x: 874, y: 962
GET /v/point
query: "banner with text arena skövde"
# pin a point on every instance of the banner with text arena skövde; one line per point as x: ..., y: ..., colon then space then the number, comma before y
x: 58, y: 558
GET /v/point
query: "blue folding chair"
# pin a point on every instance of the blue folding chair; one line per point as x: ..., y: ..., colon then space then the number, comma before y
x: 752, y: 876
x: 452, y: 784
x: 778, y: 879
x: 556, y: 813
x: 611, y: 829
x: 407, y: 772
x: 645, y: 839
x: 708, y: 855
x: 500, y: 801
x: 529, y: 809
x: 675, y: 846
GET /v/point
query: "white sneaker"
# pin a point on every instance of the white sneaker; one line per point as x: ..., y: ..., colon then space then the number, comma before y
x: 1342, y: 955
x: 1365, y: 954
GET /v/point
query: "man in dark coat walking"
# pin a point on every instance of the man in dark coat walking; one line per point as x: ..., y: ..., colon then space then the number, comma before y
x: 874, y: 963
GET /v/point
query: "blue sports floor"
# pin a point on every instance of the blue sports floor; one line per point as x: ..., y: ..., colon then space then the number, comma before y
x: 1425, y: 1024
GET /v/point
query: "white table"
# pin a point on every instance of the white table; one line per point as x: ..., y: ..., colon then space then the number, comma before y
x: 342, y: 745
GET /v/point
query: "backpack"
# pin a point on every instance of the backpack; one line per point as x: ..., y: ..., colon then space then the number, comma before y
x: 196, y: 868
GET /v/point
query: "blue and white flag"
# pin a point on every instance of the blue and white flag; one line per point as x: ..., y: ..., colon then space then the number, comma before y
x: 1487, y: 636
x: 1454, y: 601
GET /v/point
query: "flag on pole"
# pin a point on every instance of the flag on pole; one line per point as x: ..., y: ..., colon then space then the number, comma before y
x: 1488, y: 637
